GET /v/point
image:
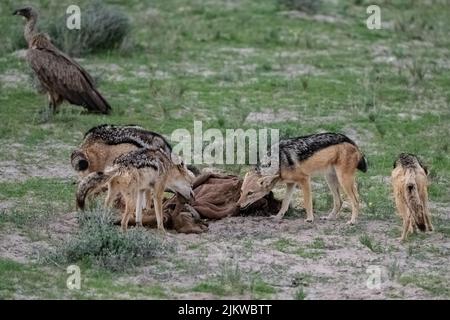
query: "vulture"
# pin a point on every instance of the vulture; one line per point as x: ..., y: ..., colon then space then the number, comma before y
x: 61, y: 76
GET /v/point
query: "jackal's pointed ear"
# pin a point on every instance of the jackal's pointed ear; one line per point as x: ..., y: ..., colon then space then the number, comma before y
x: 268, y: 182
x: 424, y: 167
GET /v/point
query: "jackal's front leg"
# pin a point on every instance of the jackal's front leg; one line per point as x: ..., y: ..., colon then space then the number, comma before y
x: 157, y: 203
x: 307, y: 199
x: 139, y: 197
x: 111, y: 195
x: 290, y: 187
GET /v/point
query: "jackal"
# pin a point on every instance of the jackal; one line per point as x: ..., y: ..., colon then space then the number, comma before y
x: 333, y: 154
x: 137, y: 173
x: 104, y: 143
x: 409, y: 180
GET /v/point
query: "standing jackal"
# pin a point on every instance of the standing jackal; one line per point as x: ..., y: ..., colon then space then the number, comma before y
x: 409, y: 180
x: 137, y: 174
x: 104, y: 143
x: 333, y: 154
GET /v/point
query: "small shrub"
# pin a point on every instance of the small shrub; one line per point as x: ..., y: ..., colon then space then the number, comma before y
x: 232, y: 277
x: 102, y: 28
x: 98, y: 242
x: 417, y: 70
x: 308, y: 6
x: 300, y: 294
x: 369, y: 242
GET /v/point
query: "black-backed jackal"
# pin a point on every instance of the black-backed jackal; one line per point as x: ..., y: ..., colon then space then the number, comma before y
x: 137, y: 174
x: 104, y: 143
x: 409, y: 180
x: 335, y: 155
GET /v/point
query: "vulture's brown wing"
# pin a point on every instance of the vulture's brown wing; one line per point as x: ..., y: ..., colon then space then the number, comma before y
x: 60, y: 74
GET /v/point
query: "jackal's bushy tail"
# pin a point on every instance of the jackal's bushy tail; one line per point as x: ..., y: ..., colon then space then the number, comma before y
x: 362, y: 164
x: 415, y: 205
x: 92, y: 183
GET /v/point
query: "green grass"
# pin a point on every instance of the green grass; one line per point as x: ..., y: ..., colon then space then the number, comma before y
x: 232, y: 281
x: 37, y: 281
x: 300, y: 294
x: 51, y: 189
x: 434, y: 284
x: 370, y: 243
x: 311, y: 251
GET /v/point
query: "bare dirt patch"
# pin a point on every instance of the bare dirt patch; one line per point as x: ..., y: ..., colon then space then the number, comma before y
x: 35, y: 162
x: 242, y: 52
x: 294, y: 14
x: 271, y: 116
x: 13, y: 79
x: 326, y: 259
x: 18, y: 246
x: 16, y: 171
x: 295, y: 70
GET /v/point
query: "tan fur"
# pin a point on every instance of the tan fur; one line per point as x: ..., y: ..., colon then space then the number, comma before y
x: 338, y: 163
x: 145, y: 186
x: 100, y: 155
x: 411, y: 198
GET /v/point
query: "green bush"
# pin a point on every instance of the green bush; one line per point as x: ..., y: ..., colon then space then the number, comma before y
x: 100, y: 243
x: 308, y: 6
x: 102, y: 28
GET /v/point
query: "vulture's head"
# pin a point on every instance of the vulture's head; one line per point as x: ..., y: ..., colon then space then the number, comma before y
x: 27, y: 12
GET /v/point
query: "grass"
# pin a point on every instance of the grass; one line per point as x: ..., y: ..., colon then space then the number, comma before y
x: 99, y: 243
x: 370, y: 243
x: 102, y: 27
x: 300, y: 294
x: 434, y: 284
x: 232, y: 281
x: 219, y: 61
x: 312, y: 251
x: 36, y: 281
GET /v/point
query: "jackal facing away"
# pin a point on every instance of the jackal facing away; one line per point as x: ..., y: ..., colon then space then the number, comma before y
x: 333, y: 154
x: 409, y: 180
x: 104, y: 143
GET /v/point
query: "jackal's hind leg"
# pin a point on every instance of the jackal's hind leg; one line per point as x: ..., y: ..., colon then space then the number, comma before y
x: 347, y: 181
x: 333, y: 184
x: 139, y: 208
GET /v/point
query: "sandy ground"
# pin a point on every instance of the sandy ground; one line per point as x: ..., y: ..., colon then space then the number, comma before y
x: 337, y: 268
x: 325, y: 259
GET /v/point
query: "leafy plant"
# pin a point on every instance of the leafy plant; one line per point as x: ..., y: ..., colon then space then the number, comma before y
x: 98, y: 242
x: 308, y: 6
x: 102, y: 27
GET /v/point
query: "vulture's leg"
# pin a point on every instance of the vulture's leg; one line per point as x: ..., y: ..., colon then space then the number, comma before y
x: 50, y: 102
x: 46, y: 113
x: 56, y: 101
